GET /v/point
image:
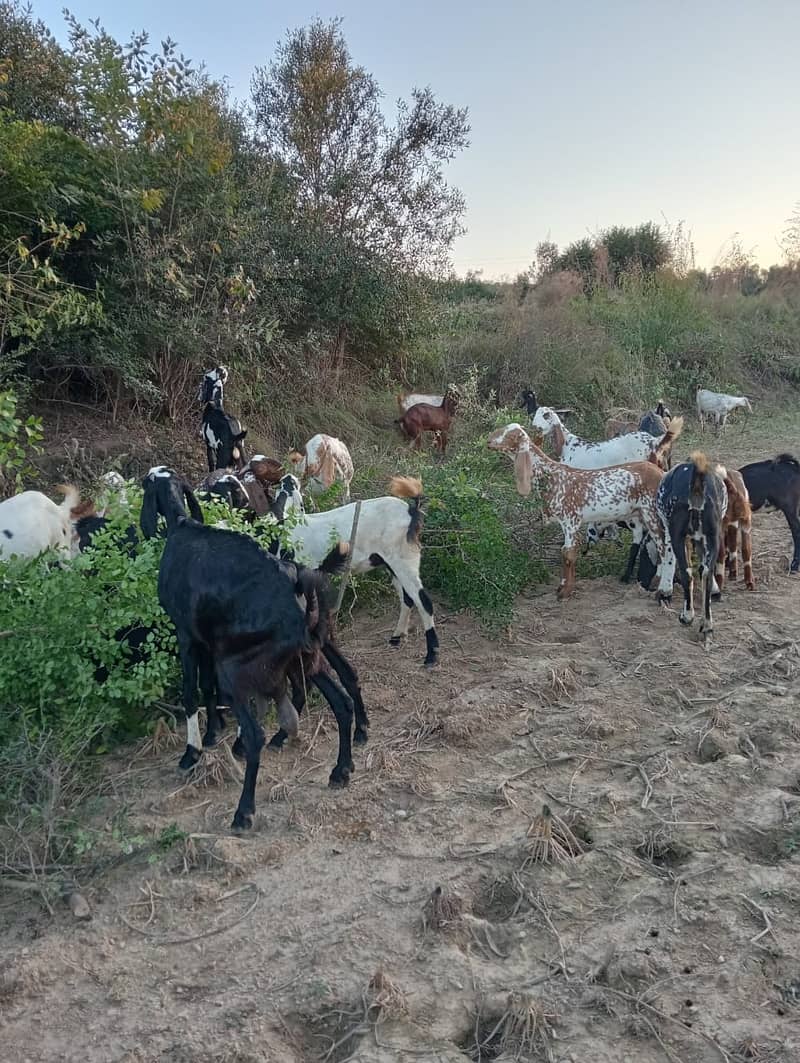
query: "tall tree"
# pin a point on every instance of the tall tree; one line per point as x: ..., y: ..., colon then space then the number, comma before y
x: 370, y: 197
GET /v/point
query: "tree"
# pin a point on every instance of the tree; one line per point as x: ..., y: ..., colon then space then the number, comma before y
x: 370, y: 198
x: 643, y: 248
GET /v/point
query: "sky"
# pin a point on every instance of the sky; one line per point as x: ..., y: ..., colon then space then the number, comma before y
x: 583, y: 114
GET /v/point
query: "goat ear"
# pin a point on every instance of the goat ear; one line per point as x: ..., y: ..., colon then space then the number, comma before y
x: 148, y: 518
x: 241, y: 435
x: 194, y: 506
x: 522, y: 471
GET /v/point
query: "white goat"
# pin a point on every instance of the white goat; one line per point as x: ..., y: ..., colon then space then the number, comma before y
x: 580, y: 454
x: 325, y: 460
x: 387, y: 535
x: 715, y: 404
x: 31, y: 523
x: 405, y: 402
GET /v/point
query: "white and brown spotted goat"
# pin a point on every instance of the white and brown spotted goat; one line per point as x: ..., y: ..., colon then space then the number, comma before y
x: 326, y: 459
x: 574, y: 497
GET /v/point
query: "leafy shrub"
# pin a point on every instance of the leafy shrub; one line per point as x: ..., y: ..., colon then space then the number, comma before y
x: 18, y: 440
x: 481, y: 540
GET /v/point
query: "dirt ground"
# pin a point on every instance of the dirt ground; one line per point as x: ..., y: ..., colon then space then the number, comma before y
x: 406, y: 917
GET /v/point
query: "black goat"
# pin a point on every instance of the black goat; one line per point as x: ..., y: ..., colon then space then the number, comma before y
x: 223, y: 436
x: 775, y: 483
x: 691, y: 501
x: 211, y: 388
x: 528, y: 401
x: 222, y: 433
x: 655, y: 421
x: 226, y: 485
x: 245, y: 622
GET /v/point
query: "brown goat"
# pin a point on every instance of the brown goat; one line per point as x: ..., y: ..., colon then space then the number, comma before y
x: 736, y: 521
x: 617, y: 427
x: 425, y: 418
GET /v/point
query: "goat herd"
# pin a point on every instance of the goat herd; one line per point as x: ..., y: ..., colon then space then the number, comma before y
x: 254, y: 624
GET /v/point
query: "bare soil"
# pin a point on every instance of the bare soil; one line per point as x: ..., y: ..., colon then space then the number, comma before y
x: 403, y: 919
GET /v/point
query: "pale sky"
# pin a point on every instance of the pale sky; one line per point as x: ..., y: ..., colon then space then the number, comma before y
x: 584, y: 114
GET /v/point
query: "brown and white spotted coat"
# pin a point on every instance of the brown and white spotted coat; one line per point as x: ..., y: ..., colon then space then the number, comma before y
x: 326, y: 459
x: 736, y: 522
x: 581, y: 454
x: 574, y: 497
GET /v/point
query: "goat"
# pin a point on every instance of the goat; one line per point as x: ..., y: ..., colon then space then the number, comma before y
x: 413, y: 398
x: 529, y: 402
x: 736, y: 523
x: 426, y: 418
x: 87, y: 522
x: 31, y: 523
x: 616, y: 426
x: 223, y: 435
x: 222, y: 483
x: 580, y: 454
x: 245, y: 622
x: 211, y: 388
x: 691, y: 502
x: 656, y: 422
x: 387, y: 536
x: 715, y: 404
x: 775, y: 483
x: 574, y: 497
x: 325, y: 460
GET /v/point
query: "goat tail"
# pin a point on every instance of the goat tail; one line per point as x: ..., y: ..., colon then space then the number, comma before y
x: 673, y: 431
x: 700, y: 462
x: 72, y: 497
x: 405, y: 487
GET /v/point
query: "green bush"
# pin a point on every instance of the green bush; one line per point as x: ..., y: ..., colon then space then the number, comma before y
x: 481, y: 543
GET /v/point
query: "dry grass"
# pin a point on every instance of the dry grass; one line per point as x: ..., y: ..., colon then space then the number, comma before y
x: 443, y: 910
x: 524, y: 1030
x: 550, y: 840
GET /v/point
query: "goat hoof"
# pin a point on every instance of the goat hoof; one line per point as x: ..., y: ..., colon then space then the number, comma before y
x: 340, y: 777
x: 189, y: 758
x: 395, y: 640
x: 242, y: 821
x: 687, y: 621
x: 237, y: 749
x: 210, y: 739
x: 275, y: 744
x: 360, y: 737
x: 717, y: 596
x: 664, y: 599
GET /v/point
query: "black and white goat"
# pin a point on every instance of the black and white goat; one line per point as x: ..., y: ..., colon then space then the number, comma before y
x: 691, y: 502
x: 222, y: 433
x: 245, y: 623
x: 387, y: 535
x: 31, y: 523
x: 775, y: 483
